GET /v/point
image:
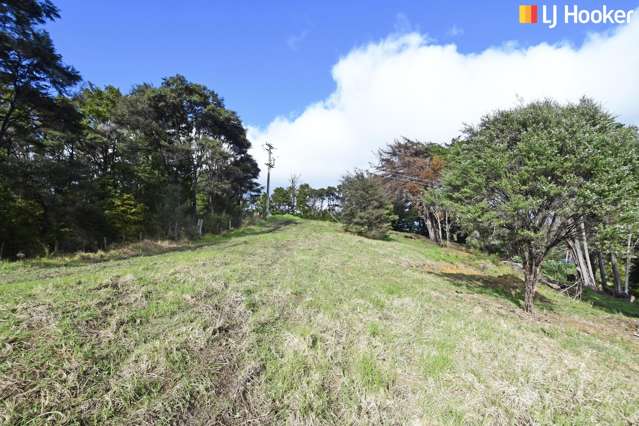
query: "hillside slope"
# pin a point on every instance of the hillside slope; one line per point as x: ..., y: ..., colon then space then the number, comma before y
x: 296, y: 321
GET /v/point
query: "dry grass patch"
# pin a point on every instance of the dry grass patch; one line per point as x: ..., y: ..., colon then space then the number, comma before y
x: 118, y: 360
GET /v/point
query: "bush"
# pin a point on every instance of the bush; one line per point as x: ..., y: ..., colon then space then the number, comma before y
x: 558, y: 270
x: 365, y: 209
x: 125, y: 215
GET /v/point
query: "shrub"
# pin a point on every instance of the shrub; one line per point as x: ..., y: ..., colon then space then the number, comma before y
x: 365, y: 209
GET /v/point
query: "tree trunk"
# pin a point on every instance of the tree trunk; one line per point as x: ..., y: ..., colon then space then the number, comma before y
x: 615, y: 273
x: 592, y: 283
x: 626, y: 281
x: 602, y: 271
x: 447, y: 227
x: 531, y: 275
x: 593, y: 259
x: 587, y: 280
x: 7, y: 118
x: 429, y: 226
x: 439, y: 237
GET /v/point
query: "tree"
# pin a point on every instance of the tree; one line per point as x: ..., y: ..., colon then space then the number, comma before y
x: 31, y: 72
x: 534, y: 175
x: 103, y: 137
x: 281, y: 201
x: 125, y: 215
x: 365, y: 209
x: 618, y: 224
x: 306, y: 201
x: 40, y: 173
x: 182, y: 132
x: 293, y: 187
x: 99, y: 165
x: 411, y: 173
x: 311, y: 203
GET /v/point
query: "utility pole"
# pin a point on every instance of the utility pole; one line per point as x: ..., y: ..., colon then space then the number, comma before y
x: 270, y: 164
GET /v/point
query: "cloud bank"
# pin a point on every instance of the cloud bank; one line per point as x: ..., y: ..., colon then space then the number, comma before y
x: 406, y: 85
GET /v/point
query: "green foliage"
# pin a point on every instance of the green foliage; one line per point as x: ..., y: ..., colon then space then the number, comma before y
x: 310, y: 203
x: 411, y: 174
x: 102, y: 165
x: 281, y: 201
x: 529, y: 176
x: 558, y: 270
x: 194, y: 144
x: 31, y: 73
x: 365, y: 209
x: 19, y: 221
x: 107, y: 166
x: 125, y: 215
x: 369, y: 373
x: 523, y: 169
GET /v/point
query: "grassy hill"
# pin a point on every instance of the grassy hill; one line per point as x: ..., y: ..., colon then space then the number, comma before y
x: 295, y: 321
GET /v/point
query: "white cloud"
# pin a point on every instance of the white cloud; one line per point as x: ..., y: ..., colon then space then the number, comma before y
x: 406, y: 86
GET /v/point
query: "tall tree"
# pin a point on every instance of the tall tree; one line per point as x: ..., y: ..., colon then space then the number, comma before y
x: 40, y: 173
x: 79, y: 170
x: 365, y: 208
x: 411, y: 171
x: 198, y: 145
x: 534, y: 175
x: 31, y: 71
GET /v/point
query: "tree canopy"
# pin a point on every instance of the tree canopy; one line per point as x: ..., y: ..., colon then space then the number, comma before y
x: 365, y: 209
x: 80, y: 169
x: 535, y: 175
x: 411, y: 173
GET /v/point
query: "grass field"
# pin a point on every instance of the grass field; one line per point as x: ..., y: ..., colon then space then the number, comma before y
x: 297, y: 322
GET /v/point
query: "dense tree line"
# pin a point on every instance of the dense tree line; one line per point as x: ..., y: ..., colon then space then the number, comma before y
x: 537, y: 182
x: 82, y: 168
x: 302, y: 200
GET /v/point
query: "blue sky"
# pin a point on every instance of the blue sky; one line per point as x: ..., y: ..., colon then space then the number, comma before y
x: 270, y: 58
x: 329, y: 83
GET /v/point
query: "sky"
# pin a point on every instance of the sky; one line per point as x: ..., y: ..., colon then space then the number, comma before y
x: 328, y: 82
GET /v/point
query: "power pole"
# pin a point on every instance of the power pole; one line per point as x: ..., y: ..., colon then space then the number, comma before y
x: 270, y: 164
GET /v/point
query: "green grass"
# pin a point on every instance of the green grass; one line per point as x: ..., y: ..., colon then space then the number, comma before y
x: 295, y: 321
